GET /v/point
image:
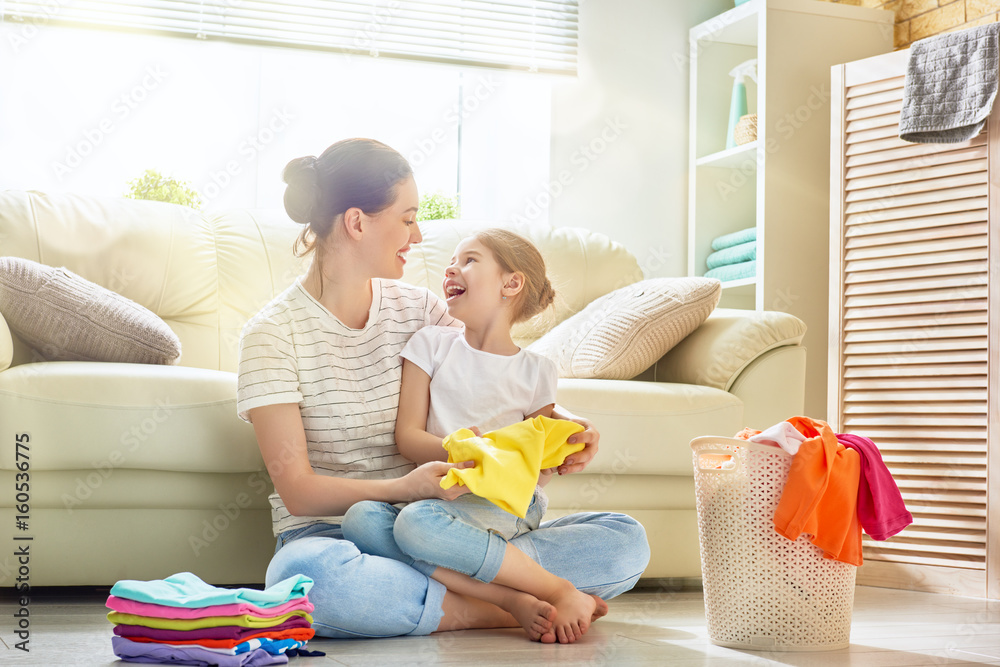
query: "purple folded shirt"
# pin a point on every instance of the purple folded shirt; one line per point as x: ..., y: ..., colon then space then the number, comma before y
x: 191, y: 655
x: 219, y: 632
x: 881, y: 510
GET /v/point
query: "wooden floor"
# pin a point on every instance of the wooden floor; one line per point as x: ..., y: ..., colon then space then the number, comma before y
x: 890, y: 627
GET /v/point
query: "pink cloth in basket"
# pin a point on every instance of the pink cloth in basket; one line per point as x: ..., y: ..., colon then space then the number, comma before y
x: 880, y: 504
x: 126, y: 606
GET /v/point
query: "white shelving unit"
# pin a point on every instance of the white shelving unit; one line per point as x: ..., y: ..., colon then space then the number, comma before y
x: 779, y: 183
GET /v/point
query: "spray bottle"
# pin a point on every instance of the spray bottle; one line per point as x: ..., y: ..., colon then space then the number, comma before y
x: 738, y: 104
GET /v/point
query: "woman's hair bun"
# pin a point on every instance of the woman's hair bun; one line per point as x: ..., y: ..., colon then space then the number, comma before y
x: 303, y: 192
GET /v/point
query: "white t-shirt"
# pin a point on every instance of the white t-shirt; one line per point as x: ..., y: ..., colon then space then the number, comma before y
x: 470, y: 387
x: 345, y: 381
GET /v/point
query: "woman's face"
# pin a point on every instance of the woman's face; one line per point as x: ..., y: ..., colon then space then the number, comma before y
x: 393, y: 231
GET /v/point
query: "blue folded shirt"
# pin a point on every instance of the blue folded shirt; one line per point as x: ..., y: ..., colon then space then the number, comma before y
x: 187, y: 590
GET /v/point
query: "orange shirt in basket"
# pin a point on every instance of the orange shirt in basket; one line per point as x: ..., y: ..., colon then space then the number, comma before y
x: 821, y: 494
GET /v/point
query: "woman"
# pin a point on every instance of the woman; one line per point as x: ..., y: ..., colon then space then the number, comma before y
x: 319, y: 380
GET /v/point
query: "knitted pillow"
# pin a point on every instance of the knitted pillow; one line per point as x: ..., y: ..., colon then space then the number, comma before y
x: 67, y: 318
x: 621, y: 334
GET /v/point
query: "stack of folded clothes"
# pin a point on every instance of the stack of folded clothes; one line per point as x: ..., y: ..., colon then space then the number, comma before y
x: 183, y: 620
x: 735, y: 256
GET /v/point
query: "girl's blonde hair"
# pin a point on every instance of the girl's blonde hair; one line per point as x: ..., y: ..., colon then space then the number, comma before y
x: 516, y: 254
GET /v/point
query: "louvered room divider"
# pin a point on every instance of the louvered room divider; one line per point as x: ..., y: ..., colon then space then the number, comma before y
x: 915, y: 328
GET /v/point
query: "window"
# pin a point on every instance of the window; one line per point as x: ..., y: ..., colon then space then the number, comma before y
x: 534, y: 35
x: 227, y: 115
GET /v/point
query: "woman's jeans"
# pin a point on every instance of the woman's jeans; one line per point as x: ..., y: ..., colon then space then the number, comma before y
x: 360, y: 593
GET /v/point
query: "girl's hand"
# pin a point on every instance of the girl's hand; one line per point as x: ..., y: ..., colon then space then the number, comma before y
x: 590, y: 437
x: 545, y: 476
x: 425, y: 481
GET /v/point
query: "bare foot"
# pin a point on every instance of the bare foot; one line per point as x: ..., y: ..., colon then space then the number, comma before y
x: 601, y: 610
x: 532, y: 614
x: 575, y: 611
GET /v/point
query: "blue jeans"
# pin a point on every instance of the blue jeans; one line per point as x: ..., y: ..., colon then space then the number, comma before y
x: 416, y: 534
x: 359, y: 595
x: 602, y: 553
x: 356, y: 595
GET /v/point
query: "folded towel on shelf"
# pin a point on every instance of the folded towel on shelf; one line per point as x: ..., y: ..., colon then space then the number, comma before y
x: 736, y: 238
x: 734, y: 271
x: 743, y: 252
x: 951, y: 83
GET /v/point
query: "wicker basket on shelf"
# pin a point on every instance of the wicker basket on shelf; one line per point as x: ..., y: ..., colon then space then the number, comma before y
x: 746, y: 129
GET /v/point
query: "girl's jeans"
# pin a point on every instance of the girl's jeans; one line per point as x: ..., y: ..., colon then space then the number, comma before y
x: 379, y: 586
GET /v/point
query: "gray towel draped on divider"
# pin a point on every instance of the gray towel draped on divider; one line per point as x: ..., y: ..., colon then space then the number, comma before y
x: 951, y: 83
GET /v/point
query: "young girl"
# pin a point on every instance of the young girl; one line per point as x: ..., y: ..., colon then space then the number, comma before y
x: 476, y: 377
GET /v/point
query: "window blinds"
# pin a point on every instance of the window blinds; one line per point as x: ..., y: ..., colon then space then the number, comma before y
x: 530, y: 35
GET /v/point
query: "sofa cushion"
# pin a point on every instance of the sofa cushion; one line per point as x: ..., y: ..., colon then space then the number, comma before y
x: 6, y: 345
x: 730, y: 339
x: 85, y: 415
x: 67, y: 318
x: 623, y: 333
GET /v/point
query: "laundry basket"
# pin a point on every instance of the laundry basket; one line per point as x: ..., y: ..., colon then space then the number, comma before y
x: 762, y: 590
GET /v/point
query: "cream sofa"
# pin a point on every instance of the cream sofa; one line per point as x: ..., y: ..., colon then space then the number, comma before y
x: 141, y: 471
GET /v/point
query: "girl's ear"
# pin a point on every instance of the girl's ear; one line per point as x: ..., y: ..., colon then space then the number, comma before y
x: 352, y: 222
x: 513, y: 283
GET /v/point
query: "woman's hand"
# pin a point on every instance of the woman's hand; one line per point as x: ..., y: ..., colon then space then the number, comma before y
x: 425, y: 481
x: 590, y: 437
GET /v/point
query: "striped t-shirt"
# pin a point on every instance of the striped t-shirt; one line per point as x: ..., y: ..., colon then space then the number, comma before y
x: 345, y: 381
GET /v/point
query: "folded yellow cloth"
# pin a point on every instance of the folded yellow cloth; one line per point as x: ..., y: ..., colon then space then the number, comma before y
x: 242, y: 620
x: 509, y: 459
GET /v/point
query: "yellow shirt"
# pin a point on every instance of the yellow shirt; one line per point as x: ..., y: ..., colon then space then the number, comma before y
x: 509, y: 459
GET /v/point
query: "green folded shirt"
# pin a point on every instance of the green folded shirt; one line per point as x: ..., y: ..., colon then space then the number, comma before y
x: 243, y: 620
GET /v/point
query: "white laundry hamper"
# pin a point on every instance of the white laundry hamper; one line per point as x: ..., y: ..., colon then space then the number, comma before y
x: 762, y: 591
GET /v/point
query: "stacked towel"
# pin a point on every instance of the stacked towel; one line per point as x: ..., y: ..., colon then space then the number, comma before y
x: 951, y: 82
x: 183, y: 620
x: 735, y: 256
x: 736, y: 238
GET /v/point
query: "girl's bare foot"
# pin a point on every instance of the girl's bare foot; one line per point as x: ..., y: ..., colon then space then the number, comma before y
x: 534, y: 615
x: 601, y: 610
x: 575, y: 610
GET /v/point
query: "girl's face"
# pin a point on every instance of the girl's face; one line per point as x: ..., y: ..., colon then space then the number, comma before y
x: 473, y: 284
x: 393, y: 231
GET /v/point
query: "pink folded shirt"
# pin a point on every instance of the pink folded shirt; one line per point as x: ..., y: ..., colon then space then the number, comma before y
x: 127, y: 606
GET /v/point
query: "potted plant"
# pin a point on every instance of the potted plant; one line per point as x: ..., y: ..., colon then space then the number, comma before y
x: 438, y: 206
x: 155, y: 186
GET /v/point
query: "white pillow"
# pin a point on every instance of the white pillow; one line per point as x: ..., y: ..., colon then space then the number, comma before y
x: 68, y: 318
x: 623, y: 333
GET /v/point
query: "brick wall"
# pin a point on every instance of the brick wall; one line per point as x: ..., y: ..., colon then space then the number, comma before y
x: 916, y: 19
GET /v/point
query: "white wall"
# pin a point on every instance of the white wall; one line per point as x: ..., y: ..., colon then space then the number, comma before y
x: 620, y: 131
